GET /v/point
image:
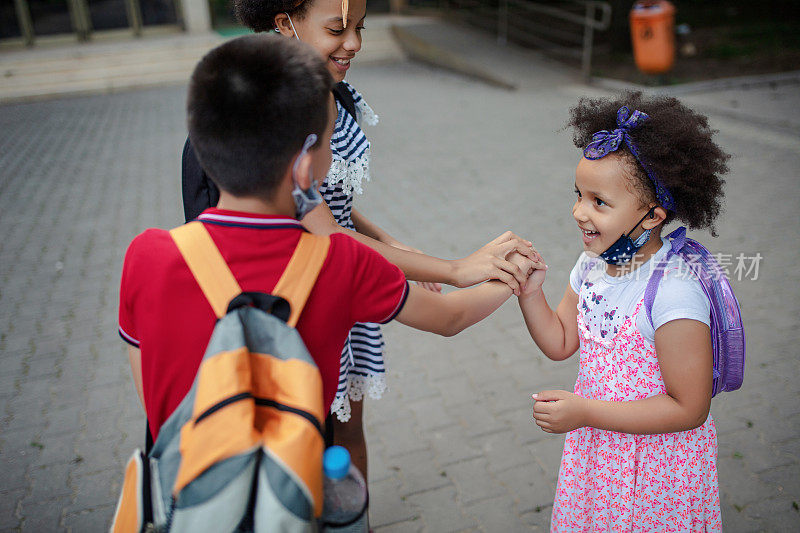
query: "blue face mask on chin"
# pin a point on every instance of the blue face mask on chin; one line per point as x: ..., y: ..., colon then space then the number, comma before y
x: 624, y: 249
x: 305, y: 200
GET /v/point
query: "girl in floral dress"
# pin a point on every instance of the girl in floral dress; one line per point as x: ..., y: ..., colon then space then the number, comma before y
x: 641, y: 448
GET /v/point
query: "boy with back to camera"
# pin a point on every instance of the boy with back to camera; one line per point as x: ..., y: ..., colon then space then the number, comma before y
x: 258, y: 119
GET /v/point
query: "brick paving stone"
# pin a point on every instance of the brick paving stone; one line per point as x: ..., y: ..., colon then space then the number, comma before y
x: 387, y: 506
x: 538, y: 520
x: 498, y: 514
x: 56, y: 450
x: 419, y: 472
x: 741, y: 486
x: 460, y: 390
x: 451, y: 445
x: 419, y: 387
x: 48, y: 483
x: 96, y: 519
x: 477, y: 420
x: 412, y: 526
x: 42, y: 516
x: 9, y: 505
x: 502, y: 450
x: 529, y: 487
x: 93, y: 490
x: 547, y: 453
x: 783, y: 480
x: 430, y: 413
x: 378, y: 467
x: 15, y: 468
x: 439, y: 510
x: 782, y: 515
x: 790, y: 447
x: 61, y: 421
x: 473, y: 480
x: 97, y: 455
x: 401, y: 437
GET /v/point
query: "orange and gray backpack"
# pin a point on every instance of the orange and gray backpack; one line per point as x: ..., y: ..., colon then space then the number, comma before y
x: 243, y: 450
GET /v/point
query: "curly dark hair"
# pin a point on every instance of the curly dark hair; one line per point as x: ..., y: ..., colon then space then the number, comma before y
x: 676, y: 144
x: 259, y: 15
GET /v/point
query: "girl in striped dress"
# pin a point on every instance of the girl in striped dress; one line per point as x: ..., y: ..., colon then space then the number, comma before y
x: 333, y: 28
x: 362, y: 371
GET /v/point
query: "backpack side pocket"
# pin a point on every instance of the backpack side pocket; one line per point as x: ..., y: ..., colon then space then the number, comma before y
x: 134, y: 508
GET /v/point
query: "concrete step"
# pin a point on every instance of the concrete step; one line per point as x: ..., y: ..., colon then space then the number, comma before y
x: 100, y: 66
x: 108, y: 66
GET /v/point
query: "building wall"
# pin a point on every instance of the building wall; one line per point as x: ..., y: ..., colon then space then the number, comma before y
x: 196, y: 15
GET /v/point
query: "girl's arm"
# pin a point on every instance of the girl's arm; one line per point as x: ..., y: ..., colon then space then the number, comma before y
x: 686, y: 361
x: 554, y: 332
x: 489, y: 262
x: 449, y: 314
x: 366, y: 227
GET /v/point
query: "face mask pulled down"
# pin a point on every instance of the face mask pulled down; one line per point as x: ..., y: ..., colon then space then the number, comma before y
x: 625, y: 248
x: 305, y: 200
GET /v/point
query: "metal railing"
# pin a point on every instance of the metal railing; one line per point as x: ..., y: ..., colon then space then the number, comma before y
x: 564, y: 27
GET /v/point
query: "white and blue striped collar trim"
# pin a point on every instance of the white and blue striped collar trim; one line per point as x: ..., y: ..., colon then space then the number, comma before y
x: 244, y: 221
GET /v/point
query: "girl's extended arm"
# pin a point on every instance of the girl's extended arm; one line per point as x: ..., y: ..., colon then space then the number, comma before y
x: 366, y: 227
x: 489, y: 262
x: 448, y: 314
x: 686, y: 362
x: 554, y: 332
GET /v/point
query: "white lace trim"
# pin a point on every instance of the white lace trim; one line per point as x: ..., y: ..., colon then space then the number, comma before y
x: 366, y: 114
x: 350, y: 173
x: 357, y: 386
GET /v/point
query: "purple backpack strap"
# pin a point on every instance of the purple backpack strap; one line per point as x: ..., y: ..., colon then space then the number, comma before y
x: 678, y: 240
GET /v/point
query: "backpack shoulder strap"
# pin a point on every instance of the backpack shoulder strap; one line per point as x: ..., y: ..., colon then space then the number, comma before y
x: 677, y: 239
x: 207, y: 265
x: 345, y: 97
x: 301, y: 273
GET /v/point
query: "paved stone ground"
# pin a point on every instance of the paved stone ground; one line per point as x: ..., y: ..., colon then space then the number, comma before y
x: 452, y: 446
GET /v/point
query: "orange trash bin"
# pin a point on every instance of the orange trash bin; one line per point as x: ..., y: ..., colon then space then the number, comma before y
x: 653, y: 35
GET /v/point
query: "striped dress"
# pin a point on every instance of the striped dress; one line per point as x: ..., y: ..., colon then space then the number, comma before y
x: 361, y: 369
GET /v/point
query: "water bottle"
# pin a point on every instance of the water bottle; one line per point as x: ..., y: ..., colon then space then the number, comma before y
x: 345, y: 494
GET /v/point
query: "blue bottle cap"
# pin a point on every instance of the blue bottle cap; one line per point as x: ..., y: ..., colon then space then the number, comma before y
x: 336, y: 462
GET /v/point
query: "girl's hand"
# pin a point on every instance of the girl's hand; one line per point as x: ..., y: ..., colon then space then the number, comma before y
x: 427, y: 285
x: 535, y: 280
x: 559, y: 411
x: 489, y: 262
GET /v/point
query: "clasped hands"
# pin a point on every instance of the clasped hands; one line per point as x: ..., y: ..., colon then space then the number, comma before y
x: 508, y: 258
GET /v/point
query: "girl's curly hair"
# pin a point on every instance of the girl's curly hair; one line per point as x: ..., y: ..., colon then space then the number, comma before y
x: 259, y: 15
x: 676, y: 143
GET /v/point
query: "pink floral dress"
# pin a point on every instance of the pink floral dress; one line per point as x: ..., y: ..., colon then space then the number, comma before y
x: 622, y: 482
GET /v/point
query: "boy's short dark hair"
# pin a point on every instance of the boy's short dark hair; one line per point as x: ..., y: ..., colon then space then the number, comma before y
x: 677, y: 144
x: 252, y: 102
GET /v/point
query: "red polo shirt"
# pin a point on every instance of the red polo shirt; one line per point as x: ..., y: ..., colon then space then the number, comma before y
x: 164, y: 313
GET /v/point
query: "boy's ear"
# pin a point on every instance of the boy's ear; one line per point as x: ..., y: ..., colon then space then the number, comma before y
x: 283, y: 25
x: 303, y: 175
x: 658, y: 216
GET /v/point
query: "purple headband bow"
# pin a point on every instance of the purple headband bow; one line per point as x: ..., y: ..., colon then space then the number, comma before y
x: 604, y: 142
